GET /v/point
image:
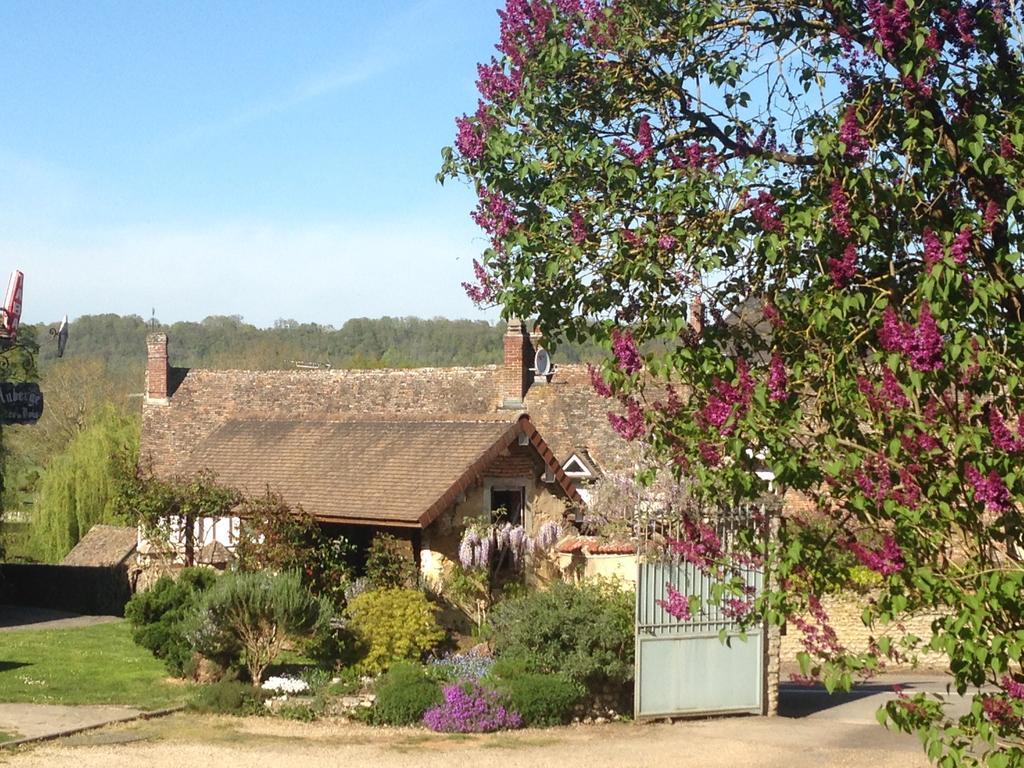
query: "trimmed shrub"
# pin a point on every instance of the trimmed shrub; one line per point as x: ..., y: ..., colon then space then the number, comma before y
x: 470, y: 708
x: 161, y: 616
x: 252, y: 615
x: 394, y: 625
x: 584, y: 632
x: 541, y: 700
x: 404, y: 693
x: 227, y: 697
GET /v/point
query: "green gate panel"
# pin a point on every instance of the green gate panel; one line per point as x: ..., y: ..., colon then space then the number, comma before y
x: 690, y: 675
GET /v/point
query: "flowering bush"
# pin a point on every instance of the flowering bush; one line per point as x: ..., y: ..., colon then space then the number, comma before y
x: 462, y: 666
x: 470, y: 708
x: 491, y: 545
x: 285, y: 684
x: 853, y: 232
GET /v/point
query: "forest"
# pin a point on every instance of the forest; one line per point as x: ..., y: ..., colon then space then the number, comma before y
x: 60, y: 474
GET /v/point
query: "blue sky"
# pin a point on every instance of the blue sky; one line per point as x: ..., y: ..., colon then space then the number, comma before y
x: 261, y: 159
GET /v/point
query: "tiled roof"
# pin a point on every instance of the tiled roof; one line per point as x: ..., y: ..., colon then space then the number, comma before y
x: 103, y: 545
x: 566, y: 410
x: 386, y: 471
x: 595, y: 546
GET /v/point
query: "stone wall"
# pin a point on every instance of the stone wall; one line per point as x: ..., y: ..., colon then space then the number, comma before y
x: 844, y: 612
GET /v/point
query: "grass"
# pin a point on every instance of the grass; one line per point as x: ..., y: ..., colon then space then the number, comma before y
x: 88, y: 665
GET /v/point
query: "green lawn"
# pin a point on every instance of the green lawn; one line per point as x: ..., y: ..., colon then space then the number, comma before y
x: 91, y: 665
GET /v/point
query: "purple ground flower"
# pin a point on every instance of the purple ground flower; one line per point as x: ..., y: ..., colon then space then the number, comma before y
x: 470, y: 708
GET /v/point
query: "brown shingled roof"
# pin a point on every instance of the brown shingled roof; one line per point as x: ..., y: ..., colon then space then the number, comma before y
x: 383, y: 471
x: 103, y: 545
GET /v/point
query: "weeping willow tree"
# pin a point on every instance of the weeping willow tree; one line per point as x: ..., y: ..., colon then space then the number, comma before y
x: 79, y: 487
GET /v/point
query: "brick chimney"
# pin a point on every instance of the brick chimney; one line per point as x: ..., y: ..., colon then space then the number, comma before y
x: 516, y: 376
x: 696, y: 318
x: 157, y: 369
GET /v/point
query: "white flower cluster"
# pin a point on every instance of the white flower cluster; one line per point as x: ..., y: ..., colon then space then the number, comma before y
x: 285, y: 684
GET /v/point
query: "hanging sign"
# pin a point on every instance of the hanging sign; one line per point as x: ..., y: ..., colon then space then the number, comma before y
x: 20, y: 403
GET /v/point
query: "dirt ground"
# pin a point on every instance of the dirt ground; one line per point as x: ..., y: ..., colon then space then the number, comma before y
x: 185, y: 740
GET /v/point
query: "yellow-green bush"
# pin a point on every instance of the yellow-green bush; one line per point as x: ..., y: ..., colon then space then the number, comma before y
x: 393, y: 625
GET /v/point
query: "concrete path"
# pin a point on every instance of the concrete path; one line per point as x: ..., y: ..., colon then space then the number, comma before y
x: 29, y: 721
x: 14, y: 617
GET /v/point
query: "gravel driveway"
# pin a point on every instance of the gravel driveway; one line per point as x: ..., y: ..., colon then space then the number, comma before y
x: 187, y: 740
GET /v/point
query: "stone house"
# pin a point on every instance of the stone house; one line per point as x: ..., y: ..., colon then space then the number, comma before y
x: 413, y: 452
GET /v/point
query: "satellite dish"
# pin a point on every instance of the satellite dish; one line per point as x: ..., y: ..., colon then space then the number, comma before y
x: 542, y: 362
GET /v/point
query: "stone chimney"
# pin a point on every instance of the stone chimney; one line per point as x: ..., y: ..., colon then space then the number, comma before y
x: 516, y: 375
x: 157, y: 369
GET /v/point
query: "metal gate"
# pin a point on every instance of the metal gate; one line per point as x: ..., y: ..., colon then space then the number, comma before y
x: 702, y: 665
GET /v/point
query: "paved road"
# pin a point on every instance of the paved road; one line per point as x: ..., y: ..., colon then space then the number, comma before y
x: 14, y: 617
x: 31, y: 720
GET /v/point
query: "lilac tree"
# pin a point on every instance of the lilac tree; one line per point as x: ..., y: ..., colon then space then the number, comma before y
x: 836, y: 183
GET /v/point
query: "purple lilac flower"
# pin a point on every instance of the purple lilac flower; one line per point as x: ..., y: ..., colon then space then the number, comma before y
x: 485, y: 289
x: 579, y: 227
x: 962, y: 245
x: 840, y: 209
x: 736, y: 608
x: 1014, y: 688
x: 626, y: 352
x: 891, y: 24
x: 778, y: 380
x: 677, y: 605
x: 1006, y: 149
x: 643, y: 138
x: 933, y: 250
x: 998, y: 11
x: 470, y: 140
x: 885, y: 561
x: 892, y: 391
x: 631, y: 426
x: 494, y: 84
x: 1002, y: 438
x: 667, y: 243
x: 844, y: 269
x: 699, y: 545
x: 991, y: 215
x: 851, y: 136
x: 870, y: 394
x: 965, y: 26
x: 598, y: 383
x: 710, y: 454
x: 925, y: 346
x: 989, y: 490
x: 1000, y: 711
x: 893, y: 332
x: 765, y: 211
x: 494, y: 214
